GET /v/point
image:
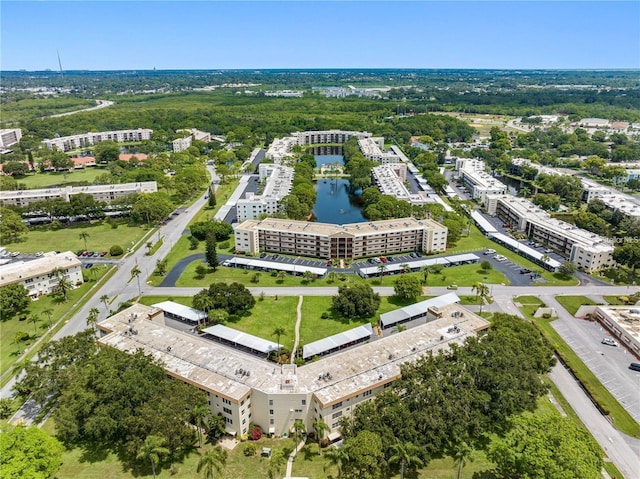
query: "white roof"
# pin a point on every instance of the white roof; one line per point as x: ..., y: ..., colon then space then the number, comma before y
x: 258, y: 263
x: 336, y: 341
x: 417, y: 309
x: 397, y: 266
x: 242, y: 339
x: 483, y: 223
x: 525, y: 249
x: 181, y: 310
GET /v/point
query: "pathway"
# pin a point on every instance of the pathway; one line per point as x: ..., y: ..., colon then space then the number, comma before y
x: 292, y: 456
x: 298, y: 321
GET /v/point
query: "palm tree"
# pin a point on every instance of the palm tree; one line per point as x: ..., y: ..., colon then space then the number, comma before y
x: 104, y: 299
x: 64, y: 285
x: 92, y: 319
x: 320, y: 427
x: 482, y: 292
x: 299, y: 429
x: 149, y: 245
x: 17, y: 340
x: 152, y: 449
x: 213, y: 459
x: 331, y: 277
x: 406, y: 454
x: 84, y: 236
x: 35, y: 319
x: 525, y: 192
x: 281, y: 276
x: 544, y: 258
x: 48, y: 312
x: 200, y: 414
x: 338, y: 457
x: 405, y: 267
x: 279, y: 331
x: 307, y: 276
x: 462, y: 455
x: 382, y: 268
x: 135, y: 273
x: 425, y: 273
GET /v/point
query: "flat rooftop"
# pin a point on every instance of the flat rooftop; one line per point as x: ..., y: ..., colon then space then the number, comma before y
x: 626, y: 317
x: 215, y: 367
x: 17, y: 272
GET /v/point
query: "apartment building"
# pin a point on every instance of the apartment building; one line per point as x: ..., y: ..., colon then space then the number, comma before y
x: 246, y: 388
x: 390, y: 179
x: 106, y: 193
x: 279, y: 180
x: 9, y: 137
x: 181, y: 144
x: 67, y: 143
x: 40, y: 276
x: 350, y: 241
x: 623, y: 322
x: 281, y: 148
x: 473, y: 175
x: 587, y: 250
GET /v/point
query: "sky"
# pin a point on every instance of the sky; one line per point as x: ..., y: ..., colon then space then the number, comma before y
x: 125, y: 35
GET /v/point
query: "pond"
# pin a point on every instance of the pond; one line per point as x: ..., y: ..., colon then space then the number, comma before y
x: 334, y: 204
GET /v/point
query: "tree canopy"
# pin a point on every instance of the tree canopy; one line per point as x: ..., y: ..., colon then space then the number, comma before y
x: 356, y: 301
x: 28, y: 452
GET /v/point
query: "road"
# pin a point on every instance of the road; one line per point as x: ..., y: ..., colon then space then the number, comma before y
x: 100, y: 104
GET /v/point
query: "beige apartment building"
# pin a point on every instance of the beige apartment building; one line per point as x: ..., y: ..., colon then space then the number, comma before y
x: 72, y: 142
x: 247, y: 388
x: 39, y: 275
x: 329, y: 241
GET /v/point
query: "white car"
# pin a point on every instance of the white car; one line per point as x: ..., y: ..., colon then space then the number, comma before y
x: 609, y: 342
x: 499, y: 257
x: 490, y: 251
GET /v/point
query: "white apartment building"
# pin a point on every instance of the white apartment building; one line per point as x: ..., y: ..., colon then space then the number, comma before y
x: 327, y: 136
x: 247, y: 388
x: 181, y: 144
x: 66, y: 143
x: 9, y: 137
x: 106, y: 193
x: 279, y: 180
x: 587, y: 250
x: 39, y: 275
x: 372, y: 149
x: 281, y: 148
x: 479, y: 183
x: 322, y: 240
x: 390, y: 178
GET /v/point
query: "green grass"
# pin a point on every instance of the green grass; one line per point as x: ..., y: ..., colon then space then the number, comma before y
x: 616, y: 300
x: 528, y: 300
x: 266, y: 316
x: 101, y: 237
x: 313, y: 327
x: 10, y: 326
x: 621, y: 419
x: 43, y: 180
x: 573, y: 303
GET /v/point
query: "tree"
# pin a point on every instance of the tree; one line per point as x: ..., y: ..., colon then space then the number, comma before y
x: 148, y: 245
x: 462, y: 455
x: 406, y: 455
x: 161, y: 267
x: 212, y: 198
x: 486, y: 265
x: 567, y: 268
x: 234, y: 298
x: 48, y: 312
x: 337, y: 457
x: 35, y: 319
x: 279, y: 331
x: 365, y: 457
x: 84, y: 236
x: 193, y: 242
x: 28, y: 452
x: 12, y: 229
x: 104, y: 299
x: 425, y: 270
x: 320, y: 427
x: 151, y: 207
x: 211, y: 255
x: 546, y: 445
x: 356, y: 301
x: 299, y: 429
x: 63, y: 285
x: 153, y: 449
x: 92, y: 319
x: 14, y: 298
x: 201, y: 271
x: 308, y: 276
x: 213, y: 459
x: 106, y: 151
x: 116, y: 250
x: 282, y: 275
x: 200, y: 414
x: 15, y: 168
x: 482, y: 292
x: 382, y: 268
x: 628, y: 254
x: 407, y: 287
x: 6, y: 407
x: 135, y: 273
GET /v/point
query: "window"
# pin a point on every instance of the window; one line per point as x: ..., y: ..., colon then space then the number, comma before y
x: 227, y: 410
x: 366, y: 393
x: 270, y: 411
x: 304, y: 402
x: 226, y: 401
x: 271, y: 422
x: 336, y: 415
x: 228, y: 420
x: 270, y: 402
x: 337, y: 405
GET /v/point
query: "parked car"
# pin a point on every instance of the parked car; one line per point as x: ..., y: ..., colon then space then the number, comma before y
x: 525, y: 271
x: 390, y: 259
x: 489, y: 251
x: 372, y: 260
x: 103, y: 254
x: 15, y: 253
x: 499, y: 257
x: 39, y: 254
x: 419, y: 254
x: 413, y: 255
x: 263, y: 255
x: 383, y: 259
x: 609, y: 342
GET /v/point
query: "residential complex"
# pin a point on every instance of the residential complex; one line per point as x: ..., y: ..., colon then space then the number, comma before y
x: 181, y: 144
x: 67, y: 143
x: 390, y: 179
x: 350, y: 241
x: 473, y: 175
x: 40, y: 276
x: 244, y: 387
x: 9, y: 137
x: 281, y: 148
x: 106, y: 193
x: 372, y: 149
x: 279, y: 180
x: 587, y: 250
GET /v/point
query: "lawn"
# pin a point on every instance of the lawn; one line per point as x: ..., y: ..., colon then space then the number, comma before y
x: 101, y: 237
x: 43, y: 180
x: 619, y: 416
x: 573, y: 303
x: 10, y: 326
x: 267, y: 315
x: 466, y: 275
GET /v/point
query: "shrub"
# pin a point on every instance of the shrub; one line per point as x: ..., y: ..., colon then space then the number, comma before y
x: 256, y: 433
x: 224, y: 245
x: 116, y: 250
x: 324, y: 315
x: 546, y: 316
x: 250, y: 450
x: 55, y: 225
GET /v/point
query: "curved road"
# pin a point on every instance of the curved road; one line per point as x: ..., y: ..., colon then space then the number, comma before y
x: 100, y: 104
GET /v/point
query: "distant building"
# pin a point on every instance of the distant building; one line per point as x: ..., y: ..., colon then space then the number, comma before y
x: 106, y: 193
x: 390, y: 179
x: 9, y: 137
x: 350, y: 241
x: 593, y: 123
x: 279, y: 180
x: 39, y: 275
x: 182, y: 144
x: 285, y: 93
x: 479, y: 183
x: 67, y: 143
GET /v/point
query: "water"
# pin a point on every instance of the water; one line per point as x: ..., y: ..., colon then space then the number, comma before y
x: 329, y: 159
x: 333, y: 204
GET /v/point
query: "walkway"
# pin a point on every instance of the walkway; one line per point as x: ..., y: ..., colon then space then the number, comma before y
x: 292, y: 456
x: 298, y: 321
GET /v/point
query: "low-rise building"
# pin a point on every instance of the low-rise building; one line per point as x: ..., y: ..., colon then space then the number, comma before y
x: 350, y: 241
x: 244, y: 387
x: 623, y: 322
x: 72, y: 142
x: 41, y: 275
x: 106, y: 193
x: 390, y: 179
x: 473, y: 175
x: 9, y: 137
x: 587, y: 250
x: 181, y: 144
x: 278, y: 182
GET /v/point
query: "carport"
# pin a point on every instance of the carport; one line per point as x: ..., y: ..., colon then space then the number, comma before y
x: 262, y: 265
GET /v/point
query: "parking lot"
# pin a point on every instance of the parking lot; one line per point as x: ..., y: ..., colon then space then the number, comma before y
x: 294, y: 260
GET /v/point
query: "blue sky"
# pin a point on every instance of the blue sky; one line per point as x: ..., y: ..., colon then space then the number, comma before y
x: 330, y: 34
